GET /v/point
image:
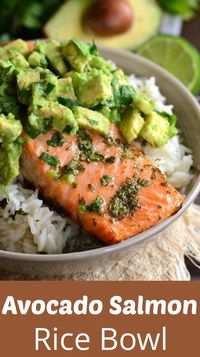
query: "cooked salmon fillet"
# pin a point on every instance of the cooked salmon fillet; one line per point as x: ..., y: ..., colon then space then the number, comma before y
x: 115, y: 197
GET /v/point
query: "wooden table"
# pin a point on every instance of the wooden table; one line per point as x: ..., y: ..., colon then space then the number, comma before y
x: 191, y: 31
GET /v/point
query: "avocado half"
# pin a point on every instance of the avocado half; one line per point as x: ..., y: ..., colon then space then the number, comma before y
x: 67, y: 22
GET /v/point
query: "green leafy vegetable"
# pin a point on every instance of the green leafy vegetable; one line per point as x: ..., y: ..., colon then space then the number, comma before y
x: 83, y: 48
x: 67, y: 102
x: 74, y: 166
x: 105, y: 180
x: 184, y: 8
x: 56, y: 140
x: 37, y: 125
x: 49, y: 159
x: 123, y: 94
x: 8, y: 100
x: 95, y: 206
x: 93, y: 49
x: 49, y: 88
x: 125, y: 200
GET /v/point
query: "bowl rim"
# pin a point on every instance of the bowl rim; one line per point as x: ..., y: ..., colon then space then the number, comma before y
x: 141, y: 237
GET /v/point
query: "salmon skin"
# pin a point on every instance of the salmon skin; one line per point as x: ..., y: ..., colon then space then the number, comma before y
x: 117, y: 192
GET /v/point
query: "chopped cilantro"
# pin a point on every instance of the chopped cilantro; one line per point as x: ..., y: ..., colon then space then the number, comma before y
x: 74, y: 167
x: 67, y: 102
x: 93, y: 122
x: 87, y: 151
x: 49, y: 88
x: 95, y: 206
x: 105, y: 180
x: 110, y: 160
x: 83, y: 48
x: 92, y: 157
x: 93, y: 49
x: 123, y: 94
x: 49, y: 159
x: 125, y: 200
x: 56, y: 140
x: 84, y: 141
x: 37, y: 125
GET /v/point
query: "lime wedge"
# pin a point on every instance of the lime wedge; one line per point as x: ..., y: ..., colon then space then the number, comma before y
x: 177, y: 56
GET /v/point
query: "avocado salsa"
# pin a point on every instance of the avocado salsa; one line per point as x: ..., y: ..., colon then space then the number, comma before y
x: 70, y: 88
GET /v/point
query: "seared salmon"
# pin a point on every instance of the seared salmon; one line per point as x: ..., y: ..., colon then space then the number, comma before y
x: 115, y: 193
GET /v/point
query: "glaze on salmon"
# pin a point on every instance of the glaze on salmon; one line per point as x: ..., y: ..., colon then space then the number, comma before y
x: 117, y: 192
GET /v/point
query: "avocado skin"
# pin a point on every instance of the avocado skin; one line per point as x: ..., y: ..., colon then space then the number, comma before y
x: 147, y: 18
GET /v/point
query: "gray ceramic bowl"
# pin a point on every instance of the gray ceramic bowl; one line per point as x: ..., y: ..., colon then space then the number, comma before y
x: 188, y: 111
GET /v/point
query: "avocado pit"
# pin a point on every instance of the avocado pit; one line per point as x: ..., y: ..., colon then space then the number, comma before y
x: 109, y: 18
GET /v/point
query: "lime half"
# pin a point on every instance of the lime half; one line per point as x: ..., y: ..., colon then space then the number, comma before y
x: 177, y: 56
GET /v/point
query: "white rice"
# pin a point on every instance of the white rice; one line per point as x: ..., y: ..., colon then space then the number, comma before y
x: 27, y: 225
x: 34, y: 228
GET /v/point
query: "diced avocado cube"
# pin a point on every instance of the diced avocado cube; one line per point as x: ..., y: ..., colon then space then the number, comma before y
x: 25, y: 78
x: 37, y: 95
x: 155, y: 130
x: 91, y: 120
x: 18, y: 60
x: 143, y: 104
x: 9, y: 163
x: 17, y: 45
x: 47, y: 76
x: 131, y: 125
x: 78, y: 79
x: 112, y: 114
x: 46, y: 88
x: 77, y: 53
x: 52, y: 50
x: 120, y: 77
x: 7, y: 71
x: 172, y: 123
x: 92, y: 88
x: 62, y: 117
x: 53, y: 53
x: 96, y: 90
x: 37, y: 59
x: 101, y: 64
x: 10, y: 128
x: 65, y: 89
